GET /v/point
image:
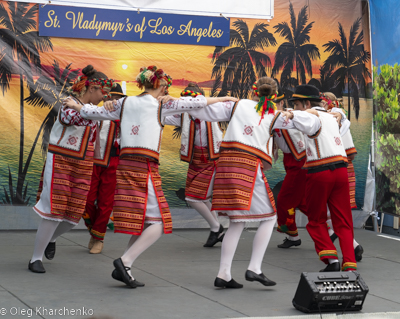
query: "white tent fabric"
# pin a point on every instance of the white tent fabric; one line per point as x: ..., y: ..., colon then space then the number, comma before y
x: 255, y: 9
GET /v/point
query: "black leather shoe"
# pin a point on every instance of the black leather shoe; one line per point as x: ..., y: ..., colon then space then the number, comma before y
x: 215, y: 237
x: 220, y: 283
x: 358, y: 251
x: 50, y: 251
x: 116, y: 276
x: 122, y: 272
x: 252, y: 276
x: 333, y: 237
x: 287, y: 243
x: 37, y: 266
x: 331, y: 267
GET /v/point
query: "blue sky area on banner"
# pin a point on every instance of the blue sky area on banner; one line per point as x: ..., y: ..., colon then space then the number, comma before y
x: 89, y: 23
x: 385, y: 31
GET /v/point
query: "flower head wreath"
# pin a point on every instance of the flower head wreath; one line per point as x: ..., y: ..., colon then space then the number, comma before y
x: 153, y: 76
x: 82, y: 82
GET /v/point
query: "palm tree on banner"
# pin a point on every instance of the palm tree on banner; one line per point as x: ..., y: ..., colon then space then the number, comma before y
x: 239, y: 65
x: 326, y: 82
x: 49, y: 91
x: 19, y: 53
x: 296, y: 53
x: 348, y: 58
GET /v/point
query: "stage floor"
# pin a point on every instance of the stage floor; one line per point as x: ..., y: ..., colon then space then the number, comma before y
x: 179, y: 275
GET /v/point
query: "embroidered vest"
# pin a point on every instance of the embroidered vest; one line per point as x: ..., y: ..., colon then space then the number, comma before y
x: 325, y: 147
x: 349, y: 144
x: 141, y: 127
x: 295, y: 141
x: 214, y: 138
x: 107, y: 133
x: 245, y: 134
x: 69, y: 140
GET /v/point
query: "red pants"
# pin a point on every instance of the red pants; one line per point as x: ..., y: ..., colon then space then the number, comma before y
x: 102, y: 188
x: 291, y: 195
x: 332, y: 188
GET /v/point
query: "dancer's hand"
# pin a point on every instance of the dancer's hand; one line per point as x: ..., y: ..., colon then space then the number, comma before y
x: 70, y: 103
x: 109, y: 105
x: 338, y: 117
x: 312, y: 111
x: 166, y: 98
x: 288, y: 115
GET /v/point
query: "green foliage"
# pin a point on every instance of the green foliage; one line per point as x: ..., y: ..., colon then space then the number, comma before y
x: 386, y: 109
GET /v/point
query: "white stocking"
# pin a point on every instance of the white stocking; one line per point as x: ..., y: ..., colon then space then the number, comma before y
x: 148, y: 237
x: 260, y: 244
x: 229, y: 245
x: 205, y: 212
x: 62, y: 228
x: 44, y: 233
x: 209, y: 205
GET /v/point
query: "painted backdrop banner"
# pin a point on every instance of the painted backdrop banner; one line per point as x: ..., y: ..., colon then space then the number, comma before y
x: 299, y: 45
x: 105, y: 24
x: 385, y: 30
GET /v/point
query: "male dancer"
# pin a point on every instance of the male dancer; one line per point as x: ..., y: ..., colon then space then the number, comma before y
x: 102, y: 187
x: 291, y: 194
x: 326, y: 181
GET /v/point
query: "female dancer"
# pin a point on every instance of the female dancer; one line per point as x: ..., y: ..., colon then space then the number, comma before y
x: 200, y: 142
x: 140, y: 208
x: 68, y: 169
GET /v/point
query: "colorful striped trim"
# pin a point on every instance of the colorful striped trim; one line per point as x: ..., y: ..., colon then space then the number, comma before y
x: 331, y: 160
x: 110, y: 140
x: 133, y: 151
x: 97, y: 235
x: 298, y: 156
x: 351, y: 151
x: 316, y: 134
x: 189, y: 156
x: 122, y: 108
x: 349, y: 266
x: 212, y: 154
x: 351, y: 176
x: 328, y: 254
x: 234, y: 108
x: 305, y: 96
x: 317, y: 148
x: 199, y: 174
x: 284, y: 229
x: 246, y: 148
x: 271, y: 126
x: 79, y: 154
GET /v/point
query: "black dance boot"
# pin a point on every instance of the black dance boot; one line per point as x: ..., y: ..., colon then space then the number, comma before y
x: 215, y: 237
x: 331, y: 267
x: 121, y: 271
x: 220, y: 283
x: 333, y: 237
x: 287, y: 243
x: 116, y: 276
x: 252, y: 276
x: 358, y: 251
x: 50, y: 251
x: 36, y: 266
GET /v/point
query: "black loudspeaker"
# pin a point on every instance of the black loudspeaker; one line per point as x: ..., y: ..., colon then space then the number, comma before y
x: 330, y: 292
